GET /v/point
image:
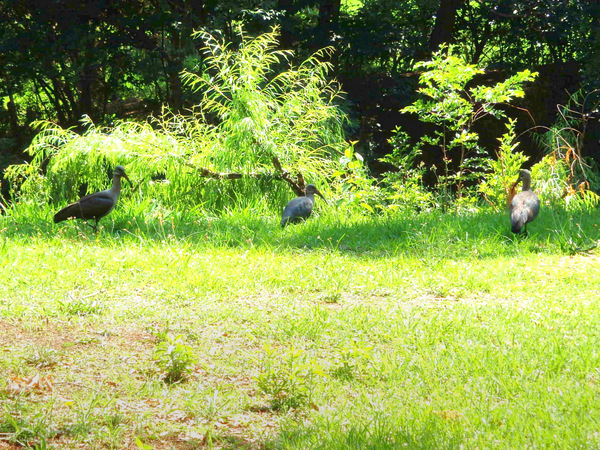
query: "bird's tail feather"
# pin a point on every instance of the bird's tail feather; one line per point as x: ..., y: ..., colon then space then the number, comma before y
x: 518, y: 221
x: 72, y: 210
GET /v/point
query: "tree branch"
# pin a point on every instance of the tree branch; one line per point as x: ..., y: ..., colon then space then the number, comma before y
x: 298, y: 185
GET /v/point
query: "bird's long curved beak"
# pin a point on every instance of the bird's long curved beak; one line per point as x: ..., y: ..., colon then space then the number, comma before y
x: 127, y: 178
x: 321, y: 195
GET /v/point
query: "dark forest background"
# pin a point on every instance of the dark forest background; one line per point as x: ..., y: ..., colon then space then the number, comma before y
x: 109, y: 60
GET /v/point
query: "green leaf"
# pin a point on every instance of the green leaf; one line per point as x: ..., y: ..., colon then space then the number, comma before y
x: 367, y: 206
x: 140, y: 444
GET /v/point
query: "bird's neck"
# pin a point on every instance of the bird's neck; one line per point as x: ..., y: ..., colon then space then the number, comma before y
x: 526, y: 184
x: 116, y: 186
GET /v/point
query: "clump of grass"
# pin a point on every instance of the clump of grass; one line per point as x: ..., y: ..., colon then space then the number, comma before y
x: 80, y: 306
x: 19, y: 426
x: 42, y: 357
x: 352, y: 360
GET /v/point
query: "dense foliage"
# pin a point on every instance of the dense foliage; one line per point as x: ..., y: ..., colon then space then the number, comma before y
x: 256, y: 128
x: 64, y: 59
x: 237, y: 118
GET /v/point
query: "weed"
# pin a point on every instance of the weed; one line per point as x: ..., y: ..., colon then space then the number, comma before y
x: 30, y: 431
x: 351, y: 361
x: 162, y: 334
x: 288, y: 379
x: 139, y: 444
x: 174, y: 358
x: 80, y: 306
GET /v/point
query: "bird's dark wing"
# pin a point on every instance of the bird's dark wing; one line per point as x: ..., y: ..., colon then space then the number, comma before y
x: 296, y: 210
x: 91, y: 206
x: 96, y: 205
x: 524, y: 208
x: 70, y: 211
x: 533, y: 204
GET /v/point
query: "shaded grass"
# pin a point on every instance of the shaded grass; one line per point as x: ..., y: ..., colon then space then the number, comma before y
x: 430, y: 331
x: 432, y: 234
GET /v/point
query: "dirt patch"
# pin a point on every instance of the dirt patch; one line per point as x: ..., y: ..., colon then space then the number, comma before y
x: 44, y: 333
x: 105, y: 369
x: 55, y: 334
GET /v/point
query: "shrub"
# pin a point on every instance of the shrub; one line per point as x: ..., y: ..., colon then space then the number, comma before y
x: 502, y: 171
x: 448, y: 103
x: 564, y: 176
x: 288, y: 378
x: 404, y: 187
x: 175, y: 358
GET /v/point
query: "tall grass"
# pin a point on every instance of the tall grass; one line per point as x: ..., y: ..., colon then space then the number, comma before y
x: 445, y: 235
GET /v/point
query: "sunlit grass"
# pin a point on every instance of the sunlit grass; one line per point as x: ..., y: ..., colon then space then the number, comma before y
x: 424, y: 331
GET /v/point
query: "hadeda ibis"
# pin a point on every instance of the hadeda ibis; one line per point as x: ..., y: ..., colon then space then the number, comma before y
x: 524, y: 206
x: 300, y: 208
x: 97, y: 205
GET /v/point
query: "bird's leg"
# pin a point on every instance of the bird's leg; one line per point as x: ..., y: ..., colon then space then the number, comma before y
x: 87, y: 222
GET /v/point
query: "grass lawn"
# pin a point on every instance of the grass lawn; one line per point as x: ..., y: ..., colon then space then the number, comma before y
x: 434, y: 331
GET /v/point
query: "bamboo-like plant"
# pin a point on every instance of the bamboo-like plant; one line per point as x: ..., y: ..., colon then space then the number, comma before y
x: 256, y: 126
x: 289, y: 115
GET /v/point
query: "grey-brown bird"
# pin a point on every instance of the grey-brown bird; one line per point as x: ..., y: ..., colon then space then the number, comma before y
x: 95, y: 206
x: 300, y: 208
x: 524, y: 206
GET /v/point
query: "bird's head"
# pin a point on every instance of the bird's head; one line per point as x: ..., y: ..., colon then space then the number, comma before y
x: 311, y: 189
x: 525, y: 178
x: 120, y: 172
x: 523, y: 174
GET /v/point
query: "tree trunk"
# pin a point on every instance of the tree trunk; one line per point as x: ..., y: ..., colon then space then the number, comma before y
x: 287, y: 38
x: 54, y: 97
x: 443, y: 30
x: 86, y: 81
x: 12, y: 114
x: 174, y: 67
x: 329, y: 13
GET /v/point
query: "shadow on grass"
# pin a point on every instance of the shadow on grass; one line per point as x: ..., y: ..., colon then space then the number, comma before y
x: 428, y: 235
